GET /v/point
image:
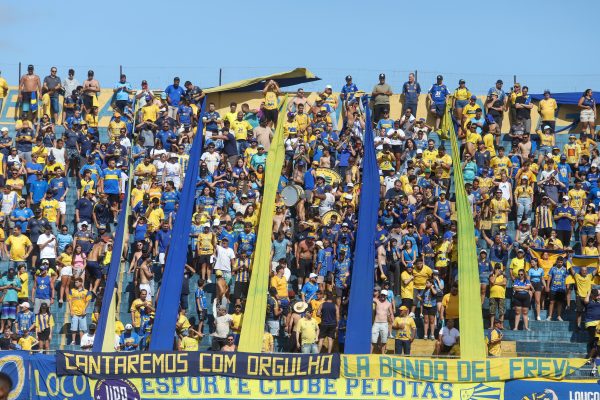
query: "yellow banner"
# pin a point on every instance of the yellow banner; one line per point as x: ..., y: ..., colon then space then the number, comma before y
x: 457, y: 370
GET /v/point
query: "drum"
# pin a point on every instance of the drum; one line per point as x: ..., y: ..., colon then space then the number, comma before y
x: 292, y: 194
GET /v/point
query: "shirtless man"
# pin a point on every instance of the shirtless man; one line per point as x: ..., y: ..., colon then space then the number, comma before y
x: 28, y: 84
x: 91, y: 88
x: 93, y: 265
x: 298, y: 99
x: 305, y: 259
x: 383, y: 317
x: 145, y: 277
x: 525, y: 147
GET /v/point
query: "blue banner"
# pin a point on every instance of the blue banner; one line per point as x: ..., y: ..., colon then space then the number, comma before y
x: 358, y: 332
x: 551, y: 390
x: 170, y: 289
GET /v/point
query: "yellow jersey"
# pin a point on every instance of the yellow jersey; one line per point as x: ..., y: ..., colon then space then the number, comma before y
x: 404, y: 327
x: 240, y: 129
x: 270, y: 100
x: 547, y: 108
x: 205, y: 244
x: 50, y: 209
x: 150, y: 112
x: 462, y: 94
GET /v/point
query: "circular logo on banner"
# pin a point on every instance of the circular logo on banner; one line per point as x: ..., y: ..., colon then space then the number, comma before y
x: 115, y: 389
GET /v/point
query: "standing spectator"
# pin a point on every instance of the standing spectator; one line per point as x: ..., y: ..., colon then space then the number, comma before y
x: 556, y: 284
x: 583, y: 286
x: 521, y: 300
x: 30, y: 92
x: 547, y: 108
x: 122, y: 90
x: 494, y: 340
x: 523, y: 107
x: 587, y: 115
x: 348, y: 91
x: 44, y: 325
x: 79, y: 299
x: 10, y: 284
x: 223, y: 322
x: 330, y: 316
x: 19, y: 246
x: 43, y: 288
x: 411, y: 91
x: 381, y: 98
x: 52, y: 84
x: 565, y: 218
x: 383, y: 317
x: 91, y: 89
x: 271, y: 92
x: 3, y: 91
x: 406, y: 331
x: 437, y: 100
x: 307, y: 333
x: 174, y: 93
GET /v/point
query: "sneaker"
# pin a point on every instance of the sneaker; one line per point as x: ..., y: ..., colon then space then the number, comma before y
x: 549, y: 319
x: 594, y: 371
x: 208, y: 281
x: 538, y: 318
x: 559, y: 319
x: 412, y: 315
x: 431, y: 337
x: 390, y: 336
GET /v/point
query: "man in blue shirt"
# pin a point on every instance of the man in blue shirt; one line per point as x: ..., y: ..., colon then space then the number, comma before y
x: 437, y: 100
x: 174, y: 93
x: 61, y: 187
x: 411, y: 91
x: 310, y: 288
x: 163, y: 240
x: 558, y: 288
x: 122, y: 90
x: 37, y: 189
x: 564, y: 217
x: 21, y: 215
x: 211, y: 119
x: 84, y: 208
x: 129, y: 340
x: 348, y: 90
x: 166, y: 136
x: 169, y: 198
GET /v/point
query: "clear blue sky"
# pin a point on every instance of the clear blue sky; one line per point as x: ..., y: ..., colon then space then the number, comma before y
x: 547, y: 44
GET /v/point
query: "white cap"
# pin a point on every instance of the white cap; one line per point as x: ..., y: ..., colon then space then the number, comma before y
x: 348, y: 196
x: 594, y: 165
x: 566, y: 198
x: 312, y: 275
x: 25, y: 305
x: 328, y: 87
x: 128, y: 327
x: 319, y: 243
x: 384, y: 292
x: 206, y: 226
x: 419, y: 151
x: 549, y: 155
x: 547, y: 127
x: 216, y: 222
x: 4, y: 129
x: 525, y: 177
x: 350, y: 184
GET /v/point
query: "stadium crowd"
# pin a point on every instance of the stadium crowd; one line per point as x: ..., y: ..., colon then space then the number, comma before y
x: 529, y: 200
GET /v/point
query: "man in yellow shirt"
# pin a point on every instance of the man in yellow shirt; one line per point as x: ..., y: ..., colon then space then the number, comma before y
x: 240, y: 127
x: 150, y: 112
x: 27, y: 341
x: 154, y: 215
x: 494, y: 340
x: 421, y: 273
x: 577, y: 197
x: 115, y: 126
x: 3, y: 91
x: 430, y: 153
x: 51, y: 209
x: 279, y: 282
x: 583, y: 284
x: 499, y: 207
x: 78, y: 299
x: 450, y: 303
x: 307, y: 333
x: 147, y: 171
x: 501, y: 163
x: 573, y: 151
x: 407, y: 286
x: 19, y: 247
x: 547, y: 109
x: 406, y: 331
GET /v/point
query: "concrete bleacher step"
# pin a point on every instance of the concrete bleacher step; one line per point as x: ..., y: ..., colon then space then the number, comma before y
x: 546, y: 335
x: 425, y: 347
x: 551, y: 349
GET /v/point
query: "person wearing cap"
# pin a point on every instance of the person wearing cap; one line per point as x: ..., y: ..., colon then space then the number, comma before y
x: 258, y: 159
x: 384, y: 317
x: 310, y: 288
x: 129, y: 339
x: 25, y: 319
x: 523, y: 106
x: 411, y: 90
x: 91, y: 89
x: 307, y: 333
x: 524, y: 197
x: 224, y: 259
x: 437, y: 100
x: 406, y: 331
x: 547, y: 108
x: 30, y: 87
x: 572, y: 151
x: 87, y: 340
x: 348, y: 90
x: 174, y: 94
x: 565, y: 218
x: 381, y: 98
x: 460, y: 99
x: 499, y: 208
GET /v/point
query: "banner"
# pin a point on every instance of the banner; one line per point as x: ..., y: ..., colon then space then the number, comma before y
x: 35, y: 376
x: 470, y: 316
x: 168, y: 364
x: 167, y: 308
x: 360, y: 311
x: 256, y: 303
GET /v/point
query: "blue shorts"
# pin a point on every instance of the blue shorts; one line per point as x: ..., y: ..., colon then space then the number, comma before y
x: 439, y: 109
x: 95, y: 270
x: 460, y: 103
x: 588, y: 230
x: 26, y: 101
x: 79, y: 323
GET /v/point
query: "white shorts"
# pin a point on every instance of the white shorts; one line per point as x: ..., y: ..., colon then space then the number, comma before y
x: 587, y: 116
x: 161, y: 258
x: 67, y: 270
x: 62, y: 206
x: 148, y: 288
x: 379, y: 330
